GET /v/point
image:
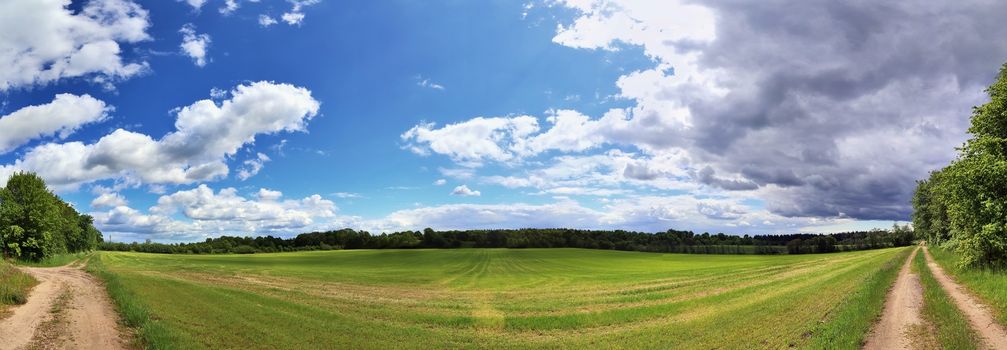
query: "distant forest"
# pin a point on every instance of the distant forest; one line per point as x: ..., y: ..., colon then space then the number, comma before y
x: 670, y: 241
x: 36, y: 224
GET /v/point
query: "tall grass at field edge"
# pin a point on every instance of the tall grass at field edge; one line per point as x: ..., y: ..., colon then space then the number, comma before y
x: 848, y: 324
x: 14, y: 285
x: 150, y: 333
x: 55, y: 260
x: 988, y: 284
x: 952, y: 329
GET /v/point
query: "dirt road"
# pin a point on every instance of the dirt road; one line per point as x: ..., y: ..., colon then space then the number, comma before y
x: 978, y: 314
x: 84, y: 321
x: 901, y: 313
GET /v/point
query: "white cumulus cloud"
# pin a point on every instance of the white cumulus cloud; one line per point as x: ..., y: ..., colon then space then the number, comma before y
x: 109, y: 200
x: 194, y: 45
x: 202, y: 212
x: 61, y: 118
x: 474, y: 141
x: 464, y: 191
x: 43, y: 41
x: 207, y: 134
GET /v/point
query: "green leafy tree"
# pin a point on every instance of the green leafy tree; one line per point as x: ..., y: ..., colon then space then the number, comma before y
x: 978, y: 184
x: 901, y: 235
x: 25, y: 203
x: 92, y: 236
x: 12, y: 237
x: 35, y: 223
x: 966, y: 202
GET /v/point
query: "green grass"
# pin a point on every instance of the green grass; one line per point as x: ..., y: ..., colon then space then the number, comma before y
x: 503, y: 298
x: 988, y: 284
x: 853, y: 318
x: 14, y: 285
x: 950, y: 327
x: 150, y: 333
x: 55, y: 260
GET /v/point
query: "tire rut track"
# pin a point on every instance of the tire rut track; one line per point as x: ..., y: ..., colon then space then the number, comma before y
x: 90, y: 320
x: 901, y: 313
x: 978, y: 314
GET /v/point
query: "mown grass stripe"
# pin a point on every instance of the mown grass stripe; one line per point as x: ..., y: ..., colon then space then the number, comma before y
x: 491, y: 298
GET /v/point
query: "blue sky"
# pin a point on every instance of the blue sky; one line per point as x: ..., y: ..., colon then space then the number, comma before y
x: 368, y: 86
x: 399, y: 115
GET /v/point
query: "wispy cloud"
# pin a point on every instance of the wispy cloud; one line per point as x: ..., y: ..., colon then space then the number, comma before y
x: 427, y: 83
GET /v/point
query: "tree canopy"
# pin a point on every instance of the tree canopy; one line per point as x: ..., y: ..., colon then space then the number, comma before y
x: 36, y: 224
x: 964, y: 205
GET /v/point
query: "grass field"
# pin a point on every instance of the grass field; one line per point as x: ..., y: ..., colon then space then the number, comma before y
x: 946, y: 326
x: 526, y: 298
x: 988, y: 284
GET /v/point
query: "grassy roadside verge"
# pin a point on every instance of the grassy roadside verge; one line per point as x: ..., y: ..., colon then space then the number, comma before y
x: 950, y: 327
x: 55, y: 260
x: 848, y: 324
x: 988, y: 284
x: 14, y: 286
x: 149, y: 332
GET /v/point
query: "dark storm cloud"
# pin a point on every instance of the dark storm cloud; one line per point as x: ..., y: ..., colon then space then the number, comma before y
x: 708, y: 176
x: 838, y: 106
x: 640, y: 172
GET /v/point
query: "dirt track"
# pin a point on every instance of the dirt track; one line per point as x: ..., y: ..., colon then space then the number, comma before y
x: 978, y: 314
x: 901, y: 313
x: 90, y: 321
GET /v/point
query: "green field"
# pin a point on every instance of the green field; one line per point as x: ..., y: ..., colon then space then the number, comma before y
x: 517, y: 298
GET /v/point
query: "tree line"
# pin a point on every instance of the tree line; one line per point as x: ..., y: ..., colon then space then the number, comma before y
x: 963, y: 206
x: 671, y: 241
x: 36, y: 224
